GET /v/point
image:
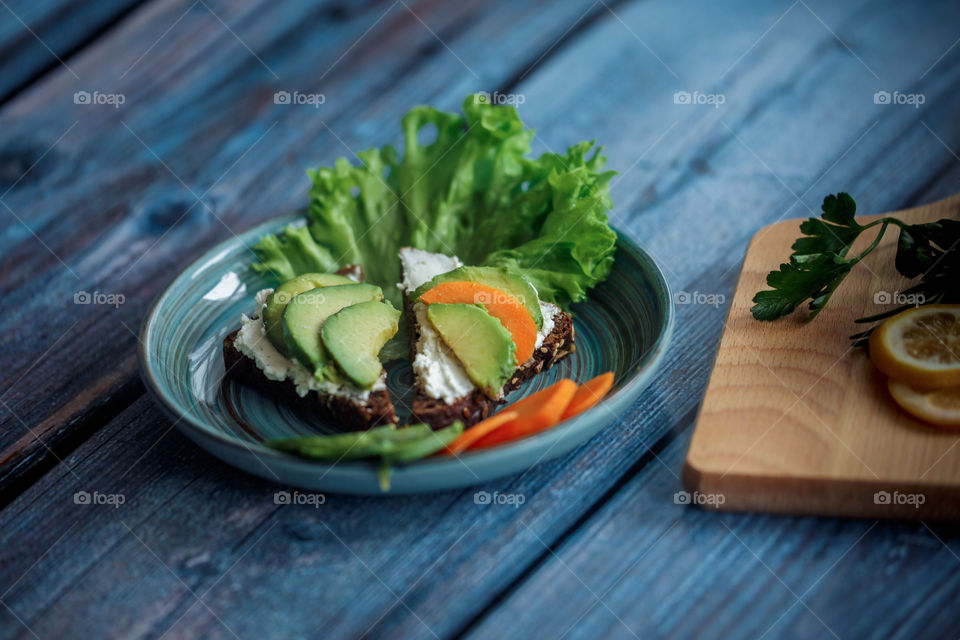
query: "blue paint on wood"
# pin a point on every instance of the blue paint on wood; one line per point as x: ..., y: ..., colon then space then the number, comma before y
x: 599, y: 547
x: 36, y: 37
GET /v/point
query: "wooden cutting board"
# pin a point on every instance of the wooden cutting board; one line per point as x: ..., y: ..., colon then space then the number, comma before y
x: 796, y: 421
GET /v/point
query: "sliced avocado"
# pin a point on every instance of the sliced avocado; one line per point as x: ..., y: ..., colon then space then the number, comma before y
x: 496, y: 277
x: 480, y: 342
x: 277, y: 302
x: 306, y: 313
x: 355, y: 335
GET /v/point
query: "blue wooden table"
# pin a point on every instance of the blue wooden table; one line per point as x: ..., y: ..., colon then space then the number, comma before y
x: 133, y: 136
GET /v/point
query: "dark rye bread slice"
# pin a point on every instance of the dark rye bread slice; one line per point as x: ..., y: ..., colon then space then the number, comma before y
x: 476, y: 405
x: 348, y: 412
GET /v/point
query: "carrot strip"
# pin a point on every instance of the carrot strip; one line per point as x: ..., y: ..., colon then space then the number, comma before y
x: 536, y: 412
x: 589, y: 394
x: 508, y: 310
x: 477, y: 431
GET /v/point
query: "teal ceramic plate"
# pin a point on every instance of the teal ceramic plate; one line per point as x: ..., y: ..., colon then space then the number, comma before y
x: 624, y: 328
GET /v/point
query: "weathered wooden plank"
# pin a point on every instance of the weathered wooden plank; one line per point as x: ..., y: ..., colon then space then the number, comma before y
x: 128, y: 229
x: 200, y: 517
x: 301, y: 551
x: 649, y: 567
x: 779, y: 116
x: 474, y: 572
x: 36, y: 37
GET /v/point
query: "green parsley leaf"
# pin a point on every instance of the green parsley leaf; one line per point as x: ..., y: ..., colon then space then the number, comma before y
x: 818, y: 264
x: 820, y: 261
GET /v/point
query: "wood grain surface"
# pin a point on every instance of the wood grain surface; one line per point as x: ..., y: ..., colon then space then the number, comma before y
x: 797, y: 420
x: 119, y: 200
x: 40, y: 36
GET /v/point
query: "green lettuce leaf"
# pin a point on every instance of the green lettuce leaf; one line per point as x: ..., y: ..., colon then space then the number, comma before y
x: 471, y: 192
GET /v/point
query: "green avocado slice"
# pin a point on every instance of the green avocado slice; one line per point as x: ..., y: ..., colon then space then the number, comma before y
x: 304, y: 317
x: 355, y: 335
x: 277, y: 302
x: 480, y: 342
x: 496, y: 277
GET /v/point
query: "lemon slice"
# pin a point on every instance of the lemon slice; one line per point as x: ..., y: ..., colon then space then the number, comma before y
x: 920, y: 347
x: 940, y: 406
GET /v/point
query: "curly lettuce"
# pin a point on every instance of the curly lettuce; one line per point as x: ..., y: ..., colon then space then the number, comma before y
x: 470, y: 192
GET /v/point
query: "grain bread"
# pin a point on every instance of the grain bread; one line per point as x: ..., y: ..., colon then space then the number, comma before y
x: 350, y: 413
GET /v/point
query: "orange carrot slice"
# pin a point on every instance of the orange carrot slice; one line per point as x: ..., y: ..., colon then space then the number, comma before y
x: 477, y: 431
x: 535, y: 413
x: 504, y: 307
x: 589, y: 394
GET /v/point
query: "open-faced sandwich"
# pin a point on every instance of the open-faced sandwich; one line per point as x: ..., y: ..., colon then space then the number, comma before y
x: 476, y: 333
x: 316, y: 339
x: 488, y: 245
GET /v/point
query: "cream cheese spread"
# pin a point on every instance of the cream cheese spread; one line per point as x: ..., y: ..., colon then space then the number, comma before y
x: 252, y: 342
x: 420, y: 267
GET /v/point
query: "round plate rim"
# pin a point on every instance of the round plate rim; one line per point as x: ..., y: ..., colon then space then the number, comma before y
x: 572, y: 433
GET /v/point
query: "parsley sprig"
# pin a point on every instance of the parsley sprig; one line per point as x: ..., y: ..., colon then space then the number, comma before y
x: 821, y: 260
